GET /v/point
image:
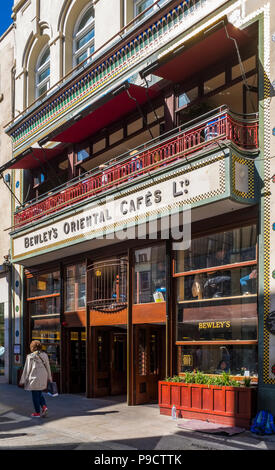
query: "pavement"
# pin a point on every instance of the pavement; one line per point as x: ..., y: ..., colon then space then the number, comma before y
x: 75, y: 422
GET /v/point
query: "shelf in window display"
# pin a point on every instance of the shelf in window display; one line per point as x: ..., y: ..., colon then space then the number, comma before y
x: 211, y: 299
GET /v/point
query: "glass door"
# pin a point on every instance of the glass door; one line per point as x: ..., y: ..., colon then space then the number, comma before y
x: 118, y: 363
x: 77, y: 352
x: 150, y: 362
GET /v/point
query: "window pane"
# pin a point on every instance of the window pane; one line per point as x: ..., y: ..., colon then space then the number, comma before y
x: 185, y: 98
x: 43, y: 75
x: 82, y: 57
x: 44, y: 307
x: 85, y: 39
x: 220, y: 306
x: 45, y: 57
x: 215, y: 359
x: 43, y: 89
x: 143, y: 5
x: 216, y: 284
x: 108, y: 280
x: 82, y: 155
x: 44, y: 284
x: 87, y: 18
x: 230, y: 247
x: 150, y: 275
x: 75, y: 286
x: 49, y: 335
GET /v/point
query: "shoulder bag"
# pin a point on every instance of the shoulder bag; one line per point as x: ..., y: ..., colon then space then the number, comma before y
x: 52, y: 389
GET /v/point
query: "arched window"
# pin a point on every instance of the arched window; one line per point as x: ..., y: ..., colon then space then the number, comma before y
x: 141, y: 5
x: 84, y: 36
x: 43, y: 70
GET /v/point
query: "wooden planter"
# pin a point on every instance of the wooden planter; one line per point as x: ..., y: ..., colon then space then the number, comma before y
x: 233, y: 406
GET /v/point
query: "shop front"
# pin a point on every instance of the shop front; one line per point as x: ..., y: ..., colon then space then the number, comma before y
x: 118, y: 313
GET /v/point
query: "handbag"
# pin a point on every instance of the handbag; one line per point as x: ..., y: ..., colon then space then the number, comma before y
x: 52, y: 389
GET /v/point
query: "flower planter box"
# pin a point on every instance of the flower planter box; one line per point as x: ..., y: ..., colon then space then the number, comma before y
x: 233, y: 406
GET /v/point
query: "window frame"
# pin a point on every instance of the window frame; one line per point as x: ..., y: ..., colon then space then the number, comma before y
x: 79, y: 34
x: 39, y: 70
x: 176, y: 275
x: 149, y: 12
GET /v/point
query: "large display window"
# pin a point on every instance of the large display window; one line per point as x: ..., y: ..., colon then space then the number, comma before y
x: 75, y: 287
x: 216, y: 301
x: 150, y: 274
x: 43, y: 291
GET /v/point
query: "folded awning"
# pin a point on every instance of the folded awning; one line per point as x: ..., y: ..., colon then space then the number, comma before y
x: 110, y: 108
x: 190, y: 57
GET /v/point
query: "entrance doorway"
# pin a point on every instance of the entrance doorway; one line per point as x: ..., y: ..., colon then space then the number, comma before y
x: 110, y: 364
x: 76, y: 360
x: 150, y: 362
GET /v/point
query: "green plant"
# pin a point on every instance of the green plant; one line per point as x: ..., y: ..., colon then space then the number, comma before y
x: 197, y: 377
x: 247, y: 381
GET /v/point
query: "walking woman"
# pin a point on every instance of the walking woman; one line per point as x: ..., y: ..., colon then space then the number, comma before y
x: 35, y: 377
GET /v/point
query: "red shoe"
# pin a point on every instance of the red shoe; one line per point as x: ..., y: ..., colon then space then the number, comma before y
x: 44, y: 411
x: 35, y: 415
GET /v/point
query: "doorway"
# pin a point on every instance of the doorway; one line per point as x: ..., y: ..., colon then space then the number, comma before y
x: 76, y: 360
x: 150, y: 362
x: 110, y: 364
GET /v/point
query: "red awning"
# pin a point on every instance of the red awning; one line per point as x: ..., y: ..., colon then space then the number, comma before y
x: 209, y: 49
x: 35, y: 157
x: 114, y: 109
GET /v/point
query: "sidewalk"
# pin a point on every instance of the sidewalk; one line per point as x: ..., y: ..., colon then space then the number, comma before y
x: 77, y: 423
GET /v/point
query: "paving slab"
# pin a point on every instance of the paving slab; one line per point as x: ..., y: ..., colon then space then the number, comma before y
x: 77, y: 423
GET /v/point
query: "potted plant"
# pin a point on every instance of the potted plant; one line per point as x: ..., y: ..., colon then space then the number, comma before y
x: 219, y: 399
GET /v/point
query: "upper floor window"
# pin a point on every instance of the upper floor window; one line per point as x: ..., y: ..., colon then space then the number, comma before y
x: 141, y: 5
x: 43, y: 71
x: 84, y: 44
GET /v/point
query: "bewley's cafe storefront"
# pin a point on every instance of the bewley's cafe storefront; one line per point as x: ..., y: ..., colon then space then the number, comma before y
x: 119, y: 302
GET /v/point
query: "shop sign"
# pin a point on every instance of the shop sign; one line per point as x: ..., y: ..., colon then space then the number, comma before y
x: 113, y: 215
x: 214, y: 324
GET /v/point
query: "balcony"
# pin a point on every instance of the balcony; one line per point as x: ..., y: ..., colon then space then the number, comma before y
x: 115, y: 62
x: 186, y: 142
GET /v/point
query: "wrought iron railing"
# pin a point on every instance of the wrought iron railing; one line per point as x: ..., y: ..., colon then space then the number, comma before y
x: 215, y: 126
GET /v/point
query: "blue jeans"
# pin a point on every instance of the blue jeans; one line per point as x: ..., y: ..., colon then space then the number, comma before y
x: 38, y: 400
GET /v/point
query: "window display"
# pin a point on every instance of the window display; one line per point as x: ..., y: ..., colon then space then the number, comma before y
x: 75, y: 287
x: 216, y: 301
x: 150, y: 275
x: 40, y: 285
x: 237, y: 359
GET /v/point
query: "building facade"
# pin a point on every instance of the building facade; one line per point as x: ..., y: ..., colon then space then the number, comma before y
x: 143, y: 162
x: 6, y: 114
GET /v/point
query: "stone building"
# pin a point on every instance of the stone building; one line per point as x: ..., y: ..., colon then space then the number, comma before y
x: 137, y: 121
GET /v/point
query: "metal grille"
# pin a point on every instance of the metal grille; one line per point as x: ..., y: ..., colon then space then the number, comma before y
x: 108, y: 293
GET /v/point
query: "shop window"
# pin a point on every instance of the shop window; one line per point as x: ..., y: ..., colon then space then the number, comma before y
x: 43, y: 71
x: 43, y: 284
x: 237, y: 359
x: 84, y: 37
x: 216, y: 282
x: 49, y: 335
x: 108, y: 285
x: 43, y: 303
x: 75, y: 287
x: 150, y: 275
x: 218, y: 249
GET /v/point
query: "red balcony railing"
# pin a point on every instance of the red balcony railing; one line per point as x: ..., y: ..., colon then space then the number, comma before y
x: 193, y: 137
